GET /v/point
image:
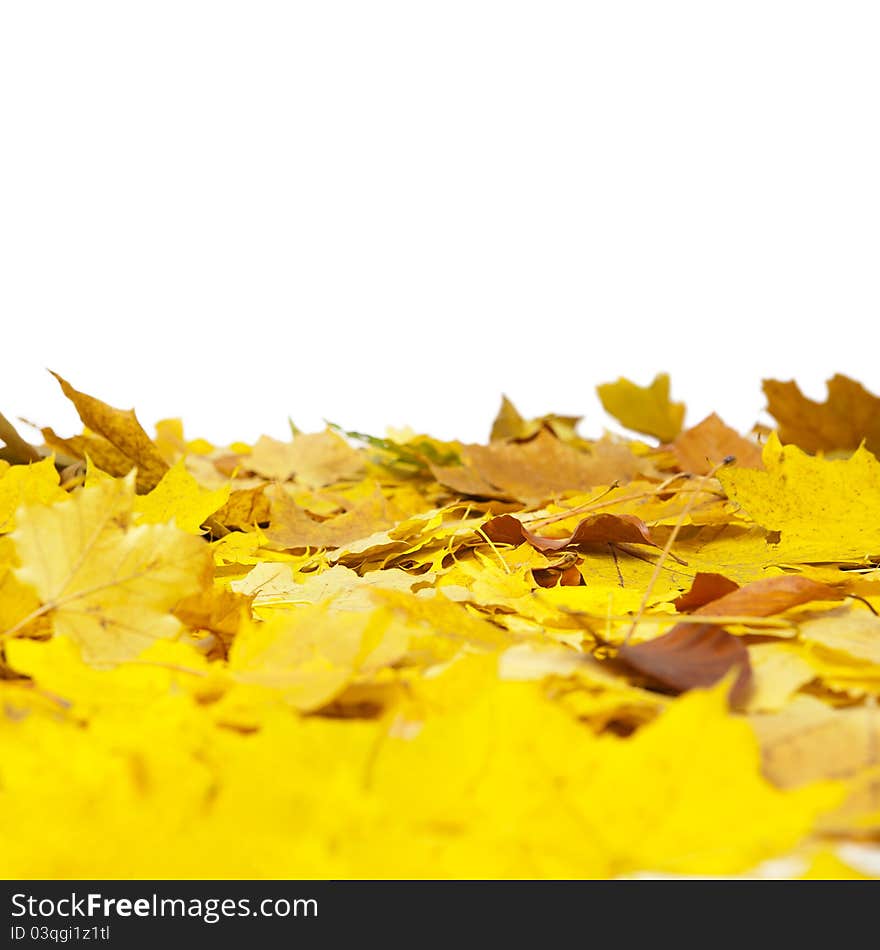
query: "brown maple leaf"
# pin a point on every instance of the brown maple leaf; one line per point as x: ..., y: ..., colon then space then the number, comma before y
x: 848, y: 416
x: 536, y: 470
x: 700, y: 448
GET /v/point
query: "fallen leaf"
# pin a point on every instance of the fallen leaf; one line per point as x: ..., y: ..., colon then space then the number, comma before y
x: 125, y: 434
x: 275, y: 585
x: 18, y: 601
x: 778, y: 672
x: 692, y: 655
x: 823, y: 509
x: 245, y: 509
x: 849, y: 416
x: 772, y: 595
x: 446, y: 660
x: 27, y: 485
x: 536, y: 470
x: 705, y: 588
x: 107, y: 584
x: 645, y: 409
x: 290, y: 526
x: 180, y: 500
x: 855, y: 636
x: 307, y: 657
x: 808, y: 741
x: 215, y: 609
x: 705, y: 445
x: 316, y: 459
x: 564, y: 576
x: 509, y: 425
x: 595, y: 529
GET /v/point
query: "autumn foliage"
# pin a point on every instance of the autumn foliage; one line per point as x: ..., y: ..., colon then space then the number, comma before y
x: 347, y: 655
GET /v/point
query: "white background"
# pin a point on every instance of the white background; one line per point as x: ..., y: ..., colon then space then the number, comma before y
x: 389, y: 213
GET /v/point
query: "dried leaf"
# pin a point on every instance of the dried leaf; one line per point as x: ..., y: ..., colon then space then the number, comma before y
x: 705, y: 445
x: 290, y: 526
x: 692, y: 655
x: 706, y: 588
x: 180, y: 500
x: 596, y: 529
x: 510, y: 426
x: 245, y: 509
x: 809, y: 740
x: 307, y: 658
x: 107, y: 584
x: 316, y: 460
x: 823, y: 509
x: 849, y: 416
x: 27, y: 485
x: 772, y: 595
x: 645, y: 409
x: 122, y: 430
x: 855, y: 636
x: 536, y: 470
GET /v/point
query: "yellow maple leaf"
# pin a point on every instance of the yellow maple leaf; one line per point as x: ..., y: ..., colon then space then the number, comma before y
x: 778, y: 671
x: 18, y: 601
x: 507, y: 768
x: 808, y: 740
x: 57, y: 665
x: 275, y: 585
x: 27, y: 485
x: 708, y: 811
x: 646, y: 409
x: 107, y: 584
x: 307, y: 656
x: 179, y: 499
x: 850, y: 638
x: 824, y: 509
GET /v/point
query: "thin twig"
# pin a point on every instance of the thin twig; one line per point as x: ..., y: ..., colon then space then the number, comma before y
x: 596, y: 505
x: 664, y: 554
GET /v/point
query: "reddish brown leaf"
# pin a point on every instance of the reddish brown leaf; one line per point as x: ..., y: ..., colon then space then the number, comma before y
x: 772, y: 595
x: 595, y: 529
x: 691, y: 655
x: 505, y: 529
x: 704, y: 589
x: 619, y: 529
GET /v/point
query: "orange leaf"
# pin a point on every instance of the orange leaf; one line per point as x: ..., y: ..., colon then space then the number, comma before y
x: 772, y: 595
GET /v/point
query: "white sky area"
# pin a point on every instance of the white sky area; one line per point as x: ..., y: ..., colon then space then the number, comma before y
x: 390, y: 213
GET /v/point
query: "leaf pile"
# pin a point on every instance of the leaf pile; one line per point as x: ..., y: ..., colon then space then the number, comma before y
x: 346, y: 655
